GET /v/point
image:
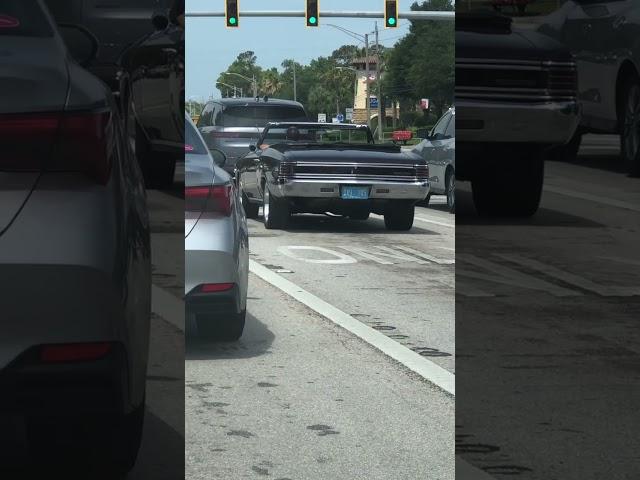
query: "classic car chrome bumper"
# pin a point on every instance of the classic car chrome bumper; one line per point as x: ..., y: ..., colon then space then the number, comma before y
x: 551, y: 123
x: 331, y: 189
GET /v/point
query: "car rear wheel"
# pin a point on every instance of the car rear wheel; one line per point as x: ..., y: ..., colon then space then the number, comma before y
x: 630, y: 121
x: 276, y: 212
x: 512, y: 188
x: 250, y: 209
x: 399, y: 217
x: 450, y: 183
x: 360, y: 215
x: 212, y: 328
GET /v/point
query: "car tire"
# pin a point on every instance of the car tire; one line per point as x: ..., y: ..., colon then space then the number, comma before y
x: 250, y: 209
x: 360, y: 216
x: 275, y: 211
x: 568, y: 152
x: 229, y: 330
x: 450, y: 185
x: 158, y: 169
x: 630, y: 126
x: 425, y: 202
x: 399, y: 217
x: 512, y: 189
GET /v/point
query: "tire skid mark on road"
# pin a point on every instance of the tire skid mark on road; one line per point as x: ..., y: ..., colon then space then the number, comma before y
x: 428, y: 370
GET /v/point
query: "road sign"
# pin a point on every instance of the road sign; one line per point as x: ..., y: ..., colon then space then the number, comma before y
x: 349, y: 114
x: 322, y: 118
x: 373, y: 102
x: 340, y: 118
x: 334, y: 120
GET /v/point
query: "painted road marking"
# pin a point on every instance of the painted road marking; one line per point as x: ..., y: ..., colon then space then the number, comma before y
x: 339, y: 258
x: 572, y: 279
x: 593, y: 198
x: 167, y: 306
x: 379, y: 254
x: 509, y: 276
x: 425, y: 220
x: 428, y: 370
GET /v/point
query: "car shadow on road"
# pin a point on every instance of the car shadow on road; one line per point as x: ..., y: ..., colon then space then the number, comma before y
x: 466, y: 215
x: 334, y: 224
x: 256, y: 340
x: 161, y: 457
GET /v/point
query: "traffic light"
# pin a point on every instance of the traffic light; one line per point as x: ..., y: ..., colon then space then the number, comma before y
x: 232, y: 13
x: 313, y: 13
x: 391, y: 14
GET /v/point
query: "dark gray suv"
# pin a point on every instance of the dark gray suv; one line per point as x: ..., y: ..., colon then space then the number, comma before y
x: 232, y: 124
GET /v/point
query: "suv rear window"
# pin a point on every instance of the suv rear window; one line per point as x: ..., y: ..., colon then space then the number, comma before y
x: 259, y: 116
x: 23, y: 18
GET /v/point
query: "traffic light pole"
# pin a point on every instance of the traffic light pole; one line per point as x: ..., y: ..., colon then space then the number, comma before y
x: 366, y: 60
x: 381, y: 121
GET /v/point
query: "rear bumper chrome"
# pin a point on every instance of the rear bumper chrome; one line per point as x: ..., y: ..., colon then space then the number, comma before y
x: 550, y: 123
x: 330, y: 188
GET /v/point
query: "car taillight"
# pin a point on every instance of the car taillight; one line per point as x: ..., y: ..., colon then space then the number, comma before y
x: 214, y: 198
x: 74, y: 352
x: 215, y: 287
x: 63, y: 142
x: 422, y: 172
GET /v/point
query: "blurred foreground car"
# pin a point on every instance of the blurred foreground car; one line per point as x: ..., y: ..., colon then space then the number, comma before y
x: 216, y: 243
x: 516, y: 97
x: 439, y: 151
x: 141, y: 58
x: 318, y: 167
x: 604, y: 36
x: 75, y: 273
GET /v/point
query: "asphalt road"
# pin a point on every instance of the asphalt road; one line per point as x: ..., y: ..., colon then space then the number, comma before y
x: 308, y: 393
x: 547, y: 327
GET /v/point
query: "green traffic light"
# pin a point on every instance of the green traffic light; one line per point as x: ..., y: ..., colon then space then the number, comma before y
x: 391, y: 21
x: 313, y: 20
x: 232, y: 20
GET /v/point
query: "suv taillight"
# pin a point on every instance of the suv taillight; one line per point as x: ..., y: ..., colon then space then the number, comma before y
x: 214, y: 198
x: 62, y: 142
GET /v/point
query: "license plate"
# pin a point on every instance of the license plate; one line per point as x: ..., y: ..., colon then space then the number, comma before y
x: 354, y: 193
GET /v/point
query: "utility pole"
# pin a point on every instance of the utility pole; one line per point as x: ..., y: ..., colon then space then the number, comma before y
x: 295, y: 86
x: 255, y: 86
x: 381, y: 121
x: 366, y: 59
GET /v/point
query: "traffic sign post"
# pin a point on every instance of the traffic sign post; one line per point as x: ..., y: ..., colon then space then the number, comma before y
x: 349, y: 114
x: 373, y: 102
x: 340, y: 118
x: 322, y: 118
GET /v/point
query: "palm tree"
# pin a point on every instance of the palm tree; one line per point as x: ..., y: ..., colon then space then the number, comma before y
x: 270, y: 83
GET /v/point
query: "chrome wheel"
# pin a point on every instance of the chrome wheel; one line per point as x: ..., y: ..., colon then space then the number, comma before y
x: 265, y: 204
x: 451, y: 192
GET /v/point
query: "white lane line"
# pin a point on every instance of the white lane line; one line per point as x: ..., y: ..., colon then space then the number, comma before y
x: 428, y: 370
x: 593, y: 198
x: 167, y: 306
x: 426, y: 220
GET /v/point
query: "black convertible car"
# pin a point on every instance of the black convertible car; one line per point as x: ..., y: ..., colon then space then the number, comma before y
x: 307, y: 167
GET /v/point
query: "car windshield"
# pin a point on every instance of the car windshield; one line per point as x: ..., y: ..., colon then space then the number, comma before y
x: 23, y: 18
x: 317, y: 134
x: 259, y: 116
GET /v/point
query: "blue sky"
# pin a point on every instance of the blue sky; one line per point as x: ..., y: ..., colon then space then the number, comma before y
x: 211, y: 47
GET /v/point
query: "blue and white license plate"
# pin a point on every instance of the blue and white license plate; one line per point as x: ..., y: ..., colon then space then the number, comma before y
x: 349, y: 192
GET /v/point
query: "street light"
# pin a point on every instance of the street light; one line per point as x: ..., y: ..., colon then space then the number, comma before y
x: 252, y: 80
x: 231, y: 86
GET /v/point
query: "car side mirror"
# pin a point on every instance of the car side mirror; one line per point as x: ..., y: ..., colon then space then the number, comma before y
x: 219, y: 158
x: 81, y: 44
x: 159, y: 21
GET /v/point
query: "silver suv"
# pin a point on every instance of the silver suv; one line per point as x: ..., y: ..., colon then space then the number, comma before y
x: 232, y: 124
